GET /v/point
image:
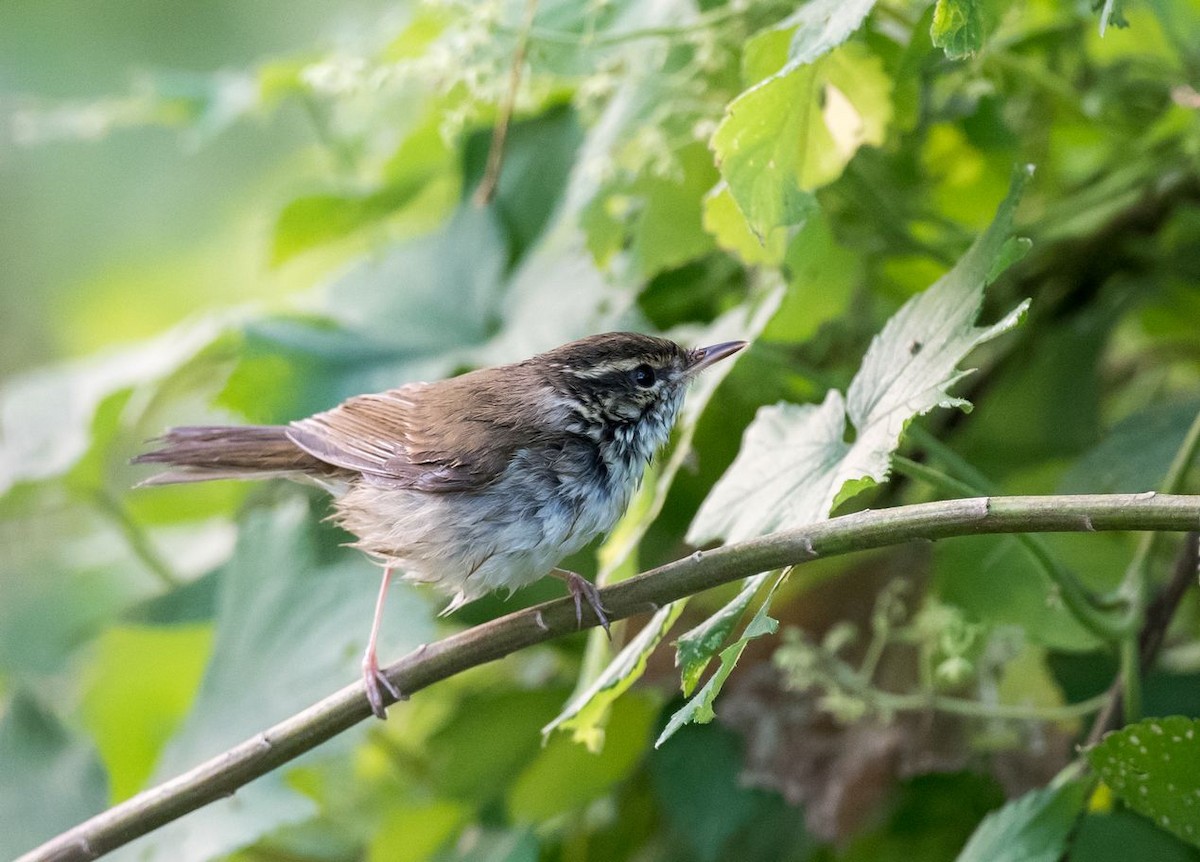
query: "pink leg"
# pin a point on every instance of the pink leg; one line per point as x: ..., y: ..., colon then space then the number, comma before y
x: 582, y: 589
x: 374, y: 679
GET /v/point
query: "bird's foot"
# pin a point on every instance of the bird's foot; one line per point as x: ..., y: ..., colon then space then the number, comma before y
x: 581, y: 589
x: 376, y: 684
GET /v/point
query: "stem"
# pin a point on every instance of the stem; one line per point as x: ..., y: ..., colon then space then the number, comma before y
x: 1135, y: 586
x: 225, y: 773
x: 1077, y: 598
x: 495, y: 157
x: 136, y: 537
x: 1131, y: 681
x: 1154, y: 630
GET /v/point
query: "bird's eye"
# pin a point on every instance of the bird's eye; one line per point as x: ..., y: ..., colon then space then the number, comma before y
x: 643, y: 376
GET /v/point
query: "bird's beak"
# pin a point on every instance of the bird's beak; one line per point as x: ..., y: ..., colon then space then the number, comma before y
x: 702, y: 357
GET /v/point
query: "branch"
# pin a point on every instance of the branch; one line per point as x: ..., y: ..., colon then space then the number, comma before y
x: 223, y: 775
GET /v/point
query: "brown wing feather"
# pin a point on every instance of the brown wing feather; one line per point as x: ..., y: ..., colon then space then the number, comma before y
x: 427, y: 436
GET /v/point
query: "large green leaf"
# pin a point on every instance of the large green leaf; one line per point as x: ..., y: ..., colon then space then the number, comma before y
x: 957, y: 27
x: 141, y: 687
x: 796, y: 131
x: 51, y: 779
x: 795, y: 464
x: 1154, y: 767
x: 807, y: 112
x: 288, y: 631
x: 46, y: 415
x: 1033, y: 828
x: 564, y: 776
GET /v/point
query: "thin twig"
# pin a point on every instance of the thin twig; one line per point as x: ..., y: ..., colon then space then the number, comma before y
x: 225, y: 773
x: 1154, y: 631
x: 495, y: 156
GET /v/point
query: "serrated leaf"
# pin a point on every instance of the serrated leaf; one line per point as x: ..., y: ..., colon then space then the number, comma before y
x: 797, y: 130
x: 585, y: 712
x: 795, y: 465
x: 957, y: 27
x: 696, y: 647
x: 1033, y: 828
x: 816, y: 28
x: 699, y: 709
x: 1154, y: 767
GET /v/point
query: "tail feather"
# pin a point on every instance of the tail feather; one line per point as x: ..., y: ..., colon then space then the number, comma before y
x: 201, y: 453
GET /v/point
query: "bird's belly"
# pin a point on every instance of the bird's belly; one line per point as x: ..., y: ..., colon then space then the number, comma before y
x: 470, y: 544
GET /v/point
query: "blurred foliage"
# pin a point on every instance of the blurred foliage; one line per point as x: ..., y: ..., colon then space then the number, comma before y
x: 245, y: 212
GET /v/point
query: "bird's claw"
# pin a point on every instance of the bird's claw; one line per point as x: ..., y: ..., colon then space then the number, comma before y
x: 376, y: 684
x: 582, y: 589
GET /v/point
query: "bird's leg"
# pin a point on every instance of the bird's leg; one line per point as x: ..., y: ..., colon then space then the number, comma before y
x: 370, y: 663
x: 580, y: 589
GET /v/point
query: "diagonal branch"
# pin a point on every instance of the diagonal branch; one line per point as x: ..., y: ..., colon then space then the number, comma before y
x: 224, y: 774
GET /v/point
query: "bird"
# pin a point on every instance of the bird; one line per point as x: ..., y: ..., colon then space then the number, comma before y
x: 475, y: 483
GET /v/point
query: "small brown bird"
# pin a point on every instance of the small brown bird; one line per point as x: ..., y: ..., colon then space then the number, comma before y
x: 479, y: 482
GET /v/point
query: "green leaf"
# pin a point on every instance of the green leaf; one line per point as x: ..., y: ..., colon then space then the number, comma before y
x: 565, y: 776
x: 413, y: 833
x: 451, y: 299
x: 1134, y: 454
x: 141, y: 686
x: 957, y: 27
x: 699, y: 709
x: 797, y: 130
x: 1034, y: 828
x: 1154, y: 767
x: 46, y: 415
x: 727, y: 223
x: 52, y: 779
x: 699, y: 782
x: 815, y: 29
x: 288, y: 631
x: 696, y: 647
x: 585, y: 714
x: 795, y: 464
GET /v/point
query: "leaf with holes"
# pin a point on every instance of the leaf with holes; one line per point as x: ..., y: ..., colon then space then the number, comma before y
x: 699, y: 709
x: 1154, y: 766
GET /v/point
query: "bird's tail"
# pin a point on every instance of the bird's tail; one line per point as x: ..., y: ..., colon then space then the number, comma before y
x: 200, y: 453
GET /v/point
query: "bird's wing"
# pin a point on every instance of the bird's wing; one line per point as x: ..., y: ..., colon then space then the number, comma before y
x: 428, y: 437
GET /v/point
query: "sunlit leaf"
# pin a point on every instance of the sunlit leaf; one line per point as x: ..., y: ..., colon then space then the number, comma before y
x: 797, y: 130
x: 696, y: 647
x: 957, y: 27
x: 141, y: 686
x: 795, y: 464
x: 412, y: 833
x: 565, y: 776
